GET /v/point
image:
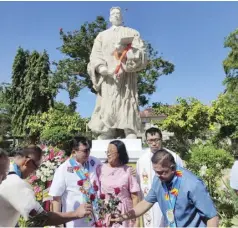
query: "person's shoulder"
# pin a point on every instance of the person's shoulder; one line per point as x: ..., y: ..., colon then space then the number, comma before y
x: 63, y: 166
x: 235, y: 165
x: 14, y: 182
x: 191, y: 179
x: 146, y: 153
x: 94, y: 161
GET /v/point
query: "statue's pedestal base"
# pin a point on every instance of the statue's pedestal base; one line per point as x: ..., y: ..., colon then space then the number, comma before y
x: 133, y: 146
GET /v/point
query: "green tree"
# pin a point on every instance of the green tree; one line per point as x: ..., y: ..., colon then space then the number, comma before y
x: 227, y: 103
x: 16, y: 94
x: 188, y: 120
x: 31, y: 90
x: 5, y: 115
x: 71, y: 72
x: 57, y: 125
x: 230, y: 64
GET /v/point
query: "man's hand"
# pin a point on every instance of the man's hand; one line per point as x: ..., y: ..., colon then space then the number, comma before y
x: 83, y: 210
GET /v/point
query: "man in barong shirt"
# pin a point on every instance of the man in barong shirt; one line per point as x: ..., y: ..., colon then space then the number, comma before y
x: 18, y: 198
x: 145, y: 172
x: 117, y: 54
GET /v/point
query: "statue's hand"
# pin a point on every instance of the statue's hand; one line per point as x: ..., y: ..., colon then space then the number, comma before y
x: 103, y: 70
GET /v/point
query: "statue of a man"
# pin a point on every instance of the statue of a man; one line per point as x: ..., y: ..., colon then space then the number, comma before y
x: 117, y: 54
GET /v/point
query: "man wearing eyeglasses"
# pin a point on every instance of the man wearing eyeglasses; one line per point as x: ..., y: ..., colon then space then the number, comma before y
x: 145, y: 172
x: 65, y: 189
x: 18, y: 198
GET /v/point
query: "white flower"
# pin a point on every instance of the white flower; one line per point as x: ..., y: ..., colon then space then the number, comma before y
x: 218, y: 165
x: 50, y: 178
x: 38, y: 173
x: 43, y: 179
x: 203, y: 170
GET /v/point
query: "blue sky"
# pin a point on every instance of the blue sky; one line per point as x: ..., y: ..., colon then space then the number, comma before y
x: 189, y: 34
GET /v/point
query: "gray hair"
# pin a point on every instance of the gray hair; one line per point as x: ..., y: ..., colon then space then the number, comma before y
x: 164, y: 158
x: 113, y: 8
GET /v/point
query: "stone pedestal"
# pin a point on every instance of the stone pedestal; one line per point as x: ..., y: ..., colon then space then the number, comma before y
x: 133, y: 146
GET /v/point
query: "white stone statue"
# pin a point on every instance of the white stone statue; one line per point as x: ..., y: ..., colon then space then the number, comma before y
x: 117, y: 54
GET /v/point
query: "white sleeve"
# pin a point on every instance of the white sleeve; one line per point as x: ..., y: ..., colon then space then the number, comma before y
x: 179, y: 161
x: 58, y: 185
x: 234, y: 176
x: 21, y: 196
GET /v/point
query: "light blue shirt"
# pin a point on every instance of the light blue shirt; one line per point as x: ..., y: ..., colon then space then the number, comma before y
x: 194, y: 205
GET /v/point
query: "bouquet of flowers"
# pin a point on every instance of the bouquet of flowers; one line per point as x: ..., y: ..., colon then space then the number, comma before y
x: 41, y: 181
x: 103, y: 206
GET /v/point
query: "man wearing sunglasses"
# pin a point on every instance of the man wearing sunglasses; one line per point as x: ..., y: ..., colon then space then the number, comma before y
x: 153, y: 217
x: 17, y: 196
x: 65, y: 188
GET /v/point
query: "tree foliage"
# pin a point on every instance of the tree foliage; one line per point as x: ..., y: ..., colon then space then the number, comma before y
x: 71, y: 72
x: 230, y: 64
x: 57, y: 125
x: 31, y: 91
x: 5, y: 114
x: 188, y: 120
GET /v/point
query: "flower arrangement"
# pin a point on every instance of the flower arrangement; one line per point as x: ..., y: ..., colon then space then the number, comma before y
x: 103, y: 206
x: 107, y: 206
x: 41, y: 181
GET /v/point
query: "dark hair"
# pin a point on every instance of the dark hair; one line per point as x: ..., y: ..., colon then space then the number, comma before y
x: 121, y: 149
x: 163, y: 157
x: 3, y: 154
x: 77, y: 140
x: 153, y: 131
x: 29, y: 150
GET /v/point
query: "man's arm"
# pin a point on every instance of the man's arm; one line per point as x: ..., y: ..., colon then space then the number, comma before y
x: 56, y: 204
x: 213, y: 222
x: 140, y: 209
x: 57, y: 218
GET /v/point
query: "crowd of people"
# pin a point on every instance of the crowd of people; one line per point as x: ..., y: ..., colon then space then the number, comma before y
x: 160, y: 189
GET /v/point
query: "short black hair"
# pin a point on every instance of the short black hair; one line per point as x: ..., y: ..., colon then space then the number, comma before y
x: 3, y: 154
x: 153, y: 131
x: 77, y: 140
x: 163, y: 157
x: 29, y: 150
x: 121, y: 149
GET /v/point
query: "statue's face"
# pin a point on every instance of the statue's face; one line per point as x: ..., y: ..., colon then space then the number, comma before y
x: 116, y: 17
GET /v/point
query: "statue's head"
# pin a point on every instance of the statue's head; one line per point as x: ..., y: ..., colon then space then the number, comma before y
x: 115, y: 16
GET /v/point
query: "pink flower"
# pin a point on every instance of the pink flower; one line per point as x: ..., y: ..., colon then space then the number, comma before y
x: 33, y: 178
x: 45, y: 158
x: 60, y: 153
x: 37, y: 189
x: 51, y: 154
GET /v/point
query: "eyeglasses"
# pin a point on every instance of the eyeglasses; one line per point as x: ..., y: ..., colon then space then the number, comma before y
x: 87, y: 150
x: 108, y: 152
x: 150, y: 141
